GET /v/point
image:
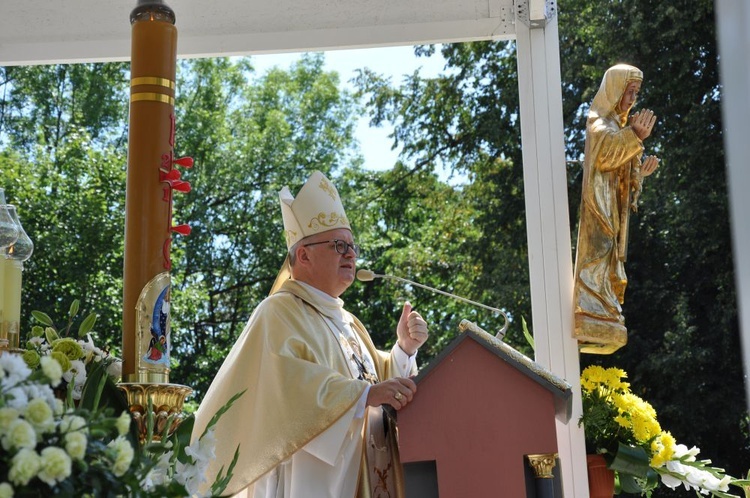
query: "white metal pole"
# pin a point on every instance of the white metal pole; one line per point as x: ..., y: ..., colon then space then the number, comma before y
x: 548, y: 232
x: 733, y: 28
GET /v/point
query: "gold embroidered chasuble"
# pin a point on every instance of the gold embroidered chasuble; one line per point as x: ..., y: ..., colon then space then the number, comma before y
x: 298, y: 383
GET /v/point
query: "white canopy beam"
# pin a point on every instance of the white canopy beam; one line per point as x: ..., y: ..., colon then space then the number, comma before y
x: 65, y: 31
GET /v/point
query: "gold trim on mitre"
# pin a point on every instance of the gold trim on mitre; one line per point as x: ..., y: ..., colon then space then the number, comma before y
x: 317, y: 208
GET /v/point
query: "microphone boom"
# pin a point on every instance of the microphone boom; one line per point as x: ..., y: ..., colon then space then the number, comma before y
x: 368, y: 275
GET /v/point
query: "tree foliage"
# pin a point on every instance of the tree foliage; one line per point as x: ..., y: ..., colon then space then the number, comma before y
x: 249, y: 137
x: 680, y: 307
x: 62, y: 164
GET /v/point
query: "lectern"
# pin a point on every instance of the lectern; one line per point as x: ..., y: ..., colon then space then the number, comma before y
x: 482, y: 423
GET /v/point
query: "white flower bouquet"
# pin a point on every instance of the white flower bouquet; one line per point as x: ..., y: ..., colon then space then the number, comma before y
x: 76, y: 356
x: 87, y: 444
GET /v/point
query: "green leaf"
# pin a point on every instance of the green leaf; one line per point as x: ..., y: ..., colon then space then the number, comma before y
x: 221, y: 483
x: 526, y: 333
x: 37, y: 331
x: 87, y: 324
x: 222, y: 410
x: 631, y: 460
x: 74, y: 308
x: 182, y: 436
x: 100, y: 391
x: 42, y: 318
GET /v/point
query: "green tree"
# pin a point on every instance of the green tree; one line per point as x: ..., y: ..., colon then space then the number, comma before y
x: 61, y: 163
x: 680, y: 306
x: 249, y: 136
x: 466, y: 121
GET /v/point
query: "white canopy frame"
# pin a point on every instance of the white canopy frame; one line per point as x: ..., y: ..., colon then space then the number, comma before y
x: 70, y: 31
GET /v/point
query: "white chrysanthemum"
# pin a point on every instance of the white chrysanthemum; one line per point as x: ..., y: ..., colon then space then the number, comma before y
x: 17, y: 397
x: 6, y: 490
x: 43, y: 391
x: 123, y: 455
x: 15, y: 369
x: 52, y: 369
x: 24, y: 467
x: 75, y: 444
x: 7, y: 415
x: 56, y: 465
x: 40, y: 415
x: 70, y: 423
x: 20, y: 434
x: 123, y: 423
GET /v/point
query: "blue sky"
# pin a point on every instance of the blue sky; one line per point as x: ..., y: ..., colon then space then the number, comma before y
x: 389, y: 61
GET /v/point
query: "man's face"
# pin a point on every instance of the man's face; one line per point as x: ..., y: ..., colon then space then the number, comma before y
x: 328, y: 270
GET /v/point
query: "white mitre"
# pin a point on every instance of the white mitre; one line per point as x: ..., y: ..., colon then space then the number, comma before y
x: 317, y: 208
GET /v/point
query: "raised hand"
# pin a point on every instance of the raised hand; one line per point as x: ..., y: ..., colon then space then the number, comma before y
x: 642, y: 123
x: 411, y: 330
x: 649, y: 165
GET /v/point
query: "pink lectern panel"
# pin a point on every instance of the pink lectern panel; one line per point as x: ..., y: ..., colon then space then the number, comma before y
x: 477, y: 416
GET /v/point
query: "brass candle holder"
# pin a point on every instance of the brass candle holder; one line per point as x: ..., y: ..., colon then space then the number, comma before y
x: 166, y: 401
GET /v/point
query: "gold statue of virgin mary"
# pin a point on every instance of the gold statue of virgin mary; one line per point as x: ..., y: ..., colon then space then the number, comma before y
x: 613, y: 173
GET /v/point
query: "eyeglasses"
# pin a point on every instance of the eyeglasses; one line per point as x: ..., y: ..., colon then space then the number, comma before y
x: 342, y: 246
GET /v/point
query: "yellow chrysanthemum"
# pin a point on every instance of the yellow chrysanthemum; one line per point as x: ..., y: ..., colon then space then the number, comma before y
x: 662, y: 449
x: 591, y: 377
x: 612, y: 378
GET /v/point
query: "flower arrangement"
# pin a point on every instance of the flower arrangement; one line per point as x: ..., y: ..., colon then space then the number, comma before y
x: 85, y: 442
x: 76, y: 356
x: 623, y: 427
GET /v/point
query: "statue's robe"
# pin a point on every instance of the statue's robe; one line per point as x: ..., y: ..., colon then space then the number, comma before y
x: 611, y: 186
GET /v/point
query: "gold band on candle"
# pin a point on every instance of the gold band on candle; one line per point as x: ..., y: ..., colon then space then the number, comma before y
x: 153, y: 97
x: 152, y: 80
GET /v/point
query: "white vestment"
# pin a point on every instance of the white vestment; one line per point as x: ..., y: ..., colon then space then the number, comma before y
x: 329, y: 465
